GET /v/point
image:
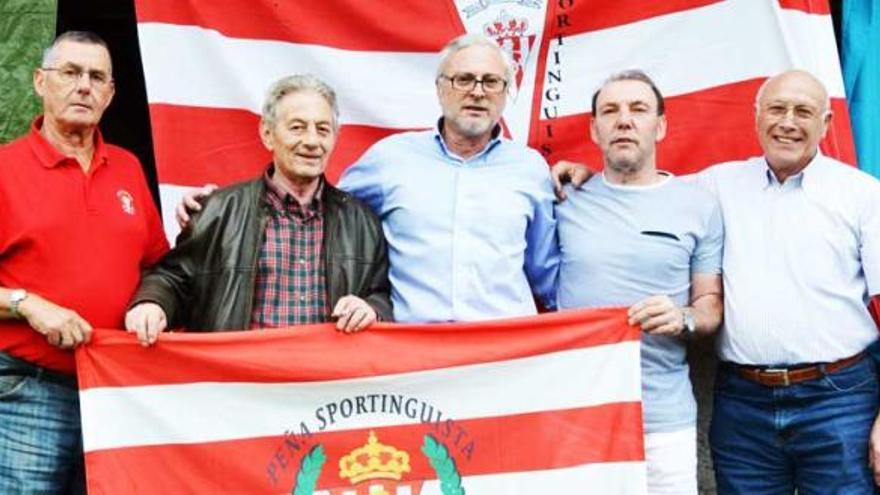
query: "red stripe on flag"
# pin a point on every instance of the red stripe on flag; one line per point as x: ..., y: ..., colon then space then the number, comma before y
x: 567, y: 18
x: 524, y: 442
x: 476, y: 343
x: 572, y: 17
x: 391, y: 25
x: 202, y: 145
x: 196, y: 145
x: 839, y: 143
x: 809, y: 6
x: 705, y: 128
x: 874, y: 309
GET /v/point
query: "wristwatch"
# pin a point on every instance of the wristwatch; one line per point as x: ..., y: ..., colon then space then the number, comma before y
x: 688, y: 321
x: 15, y: 299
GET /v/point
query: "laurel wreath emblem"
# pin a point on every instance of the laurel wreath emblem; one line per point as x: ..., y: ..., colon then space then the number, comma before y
x: 309, y: 471
x: 444, y: 466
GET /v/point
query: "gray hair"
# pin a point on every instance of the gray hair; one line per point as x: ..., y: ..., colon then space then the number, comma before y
x: 632, y: 75
x: 86, y: 37
x: 468, y: 40
x: 295, y: 84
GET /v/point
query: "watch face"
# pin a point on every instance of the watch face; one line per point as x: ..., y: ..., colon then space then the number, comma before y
x: 691, y: 324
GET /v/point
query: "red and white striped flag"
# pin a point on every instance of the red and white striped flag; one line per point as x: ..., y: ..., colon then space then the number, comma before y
x: 208, y: 64
x: 545, y: 404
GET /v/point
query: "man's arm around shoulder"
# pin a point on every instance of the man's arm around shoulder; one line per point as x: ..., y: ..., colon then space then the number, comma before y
x: 166, y: 287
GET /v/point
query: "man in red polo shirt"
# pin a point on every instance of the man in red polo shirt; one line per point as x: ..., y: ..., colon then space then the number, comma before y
x: 77, y: 226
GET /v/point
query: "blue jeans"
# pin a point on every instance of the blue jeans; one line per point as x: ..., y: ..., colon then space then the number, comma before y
x: 811, y: 436
x: 40, y: 439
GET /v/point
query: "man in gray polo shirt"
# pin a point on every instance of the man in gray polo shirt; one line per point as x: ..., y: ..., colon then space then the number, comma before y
x: 635, y: 236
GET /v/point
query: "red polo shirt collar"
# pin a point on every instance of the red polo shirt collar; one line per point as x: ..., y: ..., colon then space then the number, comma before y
x: 50, y: 157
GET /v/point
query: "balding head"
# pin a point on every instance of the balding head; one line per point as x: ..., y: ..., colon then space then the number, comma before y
x: 792, y: 114
x: 795, y: 74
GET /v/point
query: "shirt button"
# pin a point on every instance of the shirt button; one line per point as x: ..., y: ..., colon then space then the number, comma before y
x: 301, y: 261
x: 302, y: 298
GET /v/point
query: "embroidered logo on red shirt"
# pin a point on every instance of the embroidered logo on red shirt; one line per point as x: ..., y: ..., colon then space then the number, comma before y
x: 126, y: 201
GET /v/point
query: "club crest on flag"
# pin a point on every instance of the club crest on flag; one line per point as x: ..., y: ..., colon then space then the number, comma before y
x: 379, y: 469
x: 515, y: 37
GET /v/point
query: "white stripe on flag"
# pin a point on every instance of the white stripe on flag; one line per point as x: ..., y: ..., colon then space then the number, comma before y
x: 193, y: 66
x: 113, y: 417
x: 697, y: 49
x: 811, y: 45
x: 171, y: 196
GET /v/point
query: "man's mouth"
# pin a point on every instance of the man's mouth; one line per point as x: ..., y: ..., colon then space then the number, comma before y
x: 623, y: 141
x: 475, y: 109
x: 309, y: 157
x: 787, y: 139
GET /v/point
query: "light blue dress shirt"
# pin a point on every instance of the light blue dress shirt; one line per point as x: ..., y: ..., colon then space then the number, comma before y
x: 468, y: 239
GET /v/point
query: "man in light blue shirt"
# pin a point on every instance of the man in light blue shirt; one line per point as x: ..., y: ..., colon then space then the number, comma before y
x: 468, y: 215
x: 635, y: 236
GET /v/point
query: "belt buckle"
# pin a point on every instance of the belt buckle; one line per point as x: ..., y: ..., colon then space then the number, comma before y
x: 777, y: 371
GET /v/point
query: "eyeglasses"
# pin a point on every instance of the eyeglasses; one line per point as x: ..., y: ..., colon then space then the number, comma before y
x: 70, y: 74
x: 780, y: 110
x: 468, y: 82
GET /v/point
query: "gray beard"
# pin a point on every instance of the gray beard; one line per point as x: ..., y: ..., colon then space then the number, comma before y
x: 626, y: 167
x: 472, y: 129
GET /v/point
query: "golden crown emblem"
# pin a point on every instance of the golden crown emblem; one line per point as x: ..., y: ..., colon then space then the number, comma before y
x: 374, y: 461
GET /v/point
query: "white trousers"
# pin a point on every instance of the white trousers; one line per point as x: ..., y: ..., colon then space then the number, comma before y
x: 671, y: 460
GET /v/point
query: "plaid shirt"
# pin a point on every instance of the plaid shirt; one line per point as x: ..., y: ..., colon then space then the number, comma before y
x: 290, y: 287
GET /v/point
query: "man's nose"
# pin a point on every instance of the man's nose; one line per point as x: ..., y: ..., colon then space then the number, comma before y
x: 310, y: 137
x: 788, y: 118
x: 478, y: 90
x: 84, y: 83
x: 624, y: 119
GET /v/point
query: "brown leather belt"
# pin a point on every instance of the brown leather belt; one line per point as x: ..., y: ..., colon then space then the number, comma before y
x: 783, y: 377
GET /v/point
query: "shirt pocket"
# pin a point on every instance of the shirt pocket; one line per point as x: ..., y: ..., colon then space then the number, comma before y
x: 665, y: 252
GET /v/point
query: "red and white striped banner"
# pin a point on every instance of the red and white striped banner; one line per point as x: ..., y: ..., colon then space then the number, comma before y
x: 545, y: 404
x: 208, y: 63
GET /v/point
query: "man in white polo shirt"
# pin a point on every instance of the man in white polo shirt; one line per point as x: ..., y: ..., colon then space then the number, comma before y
x: 795, y: 397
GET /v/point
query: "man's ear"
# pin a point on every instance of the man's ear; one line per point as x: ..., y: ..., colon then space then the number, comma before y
x: 661, y: 128
x: 266, y: 135
x: 39, y: 81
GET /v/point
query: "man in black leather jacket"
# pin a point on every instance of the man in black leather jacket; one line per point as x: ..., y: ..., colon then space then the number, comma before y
x: 286, y: 248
